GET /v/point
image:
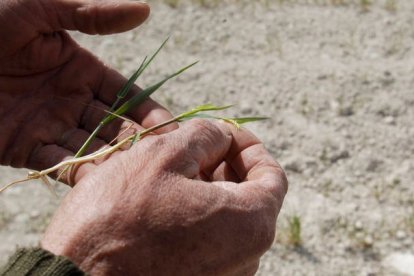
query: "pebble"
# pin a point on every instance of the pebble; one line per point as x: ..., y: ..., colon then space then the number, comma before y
x: 34, y: 214
x: 358, y: 225
x: 246, y: 108
x: 389, y: 120
x: 369, y: 240
x: 401, y: 235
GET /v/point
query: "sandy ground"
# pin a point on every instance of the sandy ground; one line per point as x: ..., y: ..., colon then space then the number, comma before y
x: 337, y: 82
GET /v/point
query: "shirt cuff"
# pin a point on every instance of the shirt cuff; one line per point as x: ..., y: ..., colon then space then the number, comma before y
x: 37, y: 261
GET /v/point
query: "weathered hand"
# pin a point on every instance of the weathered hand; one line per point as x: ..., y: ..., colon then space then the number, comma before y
x: 145, y: 212
x: 52, y: 91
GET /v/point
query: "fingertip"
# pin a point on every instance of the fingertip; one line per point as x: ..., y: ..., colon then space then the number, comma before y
x: 125, y: 16
x: 142, y: 11
x: 101, y: 17
x: 209, y: 129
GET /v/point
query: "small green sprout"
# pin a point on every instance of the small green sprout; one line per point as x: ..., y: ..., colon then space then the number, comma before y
x: 295, y: 231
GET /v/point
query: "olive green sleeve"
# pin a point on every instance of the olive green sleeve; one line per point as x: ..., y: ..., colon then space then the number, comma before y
x: 37, y: 261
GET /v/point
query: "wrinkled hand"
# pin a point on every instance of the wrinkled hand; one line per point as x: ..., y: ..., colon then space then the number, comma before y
x: 52, y: 91
x: 146, y: 212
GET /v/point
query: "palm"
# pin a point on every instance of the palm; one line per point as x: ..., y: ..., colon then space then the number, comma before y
x: 53, y: 92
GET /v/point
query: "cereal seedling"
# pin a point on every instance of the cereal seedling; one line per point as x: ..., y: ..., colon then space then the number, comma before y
x: 118, y: 110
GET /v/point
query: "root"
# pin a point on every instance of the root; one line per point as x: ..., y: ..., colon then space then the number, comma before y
x: 14, y: 183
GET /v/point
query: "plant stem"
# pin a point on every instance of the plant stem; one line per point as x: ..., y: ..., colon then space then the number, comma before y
x: 90, y: 139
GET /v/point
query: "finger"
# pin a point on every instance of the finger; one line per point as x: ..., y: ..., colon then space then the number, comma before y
x: 48, y: 156
x: 74, y: 139
x: 147, y: 114
x: 95, y: 17
x: 195, y: 147
x: 17, y: 148
x: 254, y: 165
x: 224, y: 172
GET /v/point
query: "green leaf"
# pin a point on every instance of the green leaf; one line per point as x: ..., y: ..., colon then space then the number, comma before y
x: 244, y: 120
x: 198, y: 115
x: 136, y: 138
x: 234, y: 121
x: 205, y: 107
x: 128, y: 85
x: 210, y: 107
x: 142, y: 96
x: 120, y: 95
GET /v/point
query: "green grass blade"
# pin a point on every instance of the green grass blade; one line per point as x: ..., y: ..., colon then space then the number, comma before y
x: 127, y: 86
x: 245, y: 120
x: 121, y: 94
x: 155, y: 54
x: 237, y: 122
x: 234, y: 121
x: 125, y: 89
x: 198, y: 115
x: 206, y: 107
x: 143, y: 95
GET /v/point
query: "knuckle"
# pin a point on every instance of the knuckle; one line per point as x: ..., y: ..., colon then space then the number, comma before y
x: 277, y: 182
x: 282, y: 184
x: 282, y: 178
x: 167, y: 153
x: 203, y: 126
x: 206, y: 131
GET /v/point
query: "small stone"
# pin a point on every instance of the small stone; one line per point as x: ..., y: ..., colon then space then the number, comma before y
x: 389, y: 120
x: 358, y: 225
x: 344, y: 154
x: 294, y: 166
x: 369, y: 241
x: 373, y: 165
x: 346, y: 111
x: 246, y: 110
x: 34, y: 214
x: 401, y: 235
x: 322, y: 77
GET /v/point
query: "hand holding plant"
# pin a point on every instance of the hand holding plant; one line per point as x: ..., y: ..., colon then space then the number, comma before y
x: 201, y: 200
x: 53, y: 93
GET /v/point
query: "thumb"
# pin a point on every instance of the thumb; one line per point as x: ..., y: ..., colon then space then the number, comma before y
x: 95, y: 16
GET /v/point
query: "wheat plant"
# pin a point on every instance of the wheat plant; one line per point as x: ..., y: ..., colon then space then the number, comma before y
x: 117, y: 110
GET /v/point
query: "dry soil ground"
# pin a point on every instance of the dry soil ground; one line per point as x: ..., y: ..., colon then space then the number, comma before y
x: 337, y: 81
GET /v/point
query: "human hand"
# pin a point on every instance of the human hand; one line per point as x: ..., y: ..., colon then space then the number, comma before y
x: 147, y: 212
x: 52, y: 91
